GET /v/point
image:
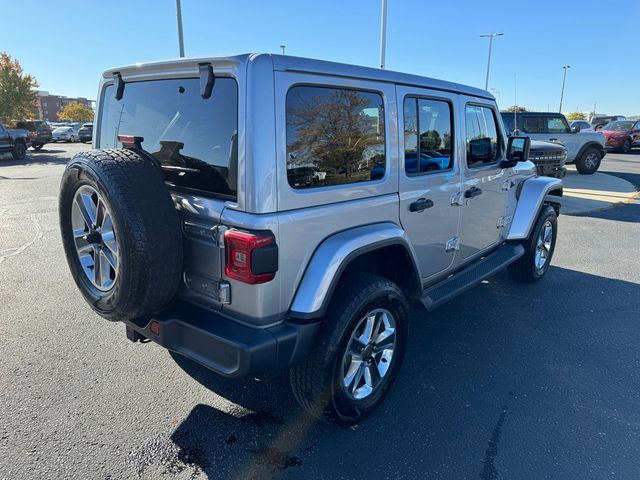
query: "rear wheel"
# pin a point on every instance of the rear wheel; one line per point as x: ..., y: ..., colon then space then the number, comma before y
x: 120, y: 232
x: 589, y: 161
x: 19, y: 151
x: 358, y: 352
x: 38, y: 146
x: 539, y: 248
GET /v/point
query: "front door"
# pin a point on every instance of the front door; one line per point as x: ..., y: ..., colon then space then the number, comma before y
x: 484, y: 190
x: 429, y: 176
x: 558, y: 131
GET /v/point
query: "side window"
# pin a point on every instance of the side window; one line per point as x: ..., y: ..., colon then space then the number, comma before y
x: 637, y: 127
x: 335, y: 136
x: 2, y: 130
x: 533, y: 125
x: 427, y: 135
x: 484, y: 146
x: 557, y: 125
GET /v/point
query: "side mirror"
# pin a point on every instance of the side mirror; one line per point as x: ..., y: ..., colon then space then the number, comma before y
x: 575, y: 129
x: 517, y: 151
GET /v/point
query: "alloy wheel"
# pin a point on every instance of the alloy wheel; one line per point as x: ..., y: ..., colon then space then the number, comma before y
x: 95, y: 237
x: 543, y: 245
x: 369, y: 354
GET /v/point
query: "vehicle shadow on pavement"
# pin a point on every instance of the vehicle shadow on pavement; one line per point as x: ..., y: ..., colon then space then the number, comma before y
x: 43, y: 157
x: 621, y: 213
x: 486, y: 377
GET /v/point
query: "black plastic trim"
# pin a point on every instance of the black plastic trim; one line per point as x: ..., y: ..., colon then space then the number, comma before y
x: 264, y: 259
x: 229, y: 348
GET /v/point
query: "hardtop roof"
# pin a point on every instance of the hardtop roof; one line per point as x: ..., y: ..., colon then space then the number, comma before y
x: 301, y: 64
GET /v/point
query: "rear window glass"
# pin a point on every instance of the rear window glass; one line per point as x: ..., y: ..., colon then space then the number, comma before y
x: 334, y: 136
x: 427, y: 135
x: 194, y: 139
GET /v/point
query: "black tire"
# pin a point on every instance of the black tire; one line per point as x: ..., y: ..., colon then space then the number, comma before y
x: 317, y: 383
x: 524, y: 269
x: 589, y: 161
x: 38, y: 146
x: 626, y: 146
x: 147, y: 228
x: 19, y: 151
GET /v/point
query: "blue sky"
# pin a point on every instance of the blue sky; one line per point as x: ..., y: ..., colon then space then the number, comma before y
x: 66, y: 44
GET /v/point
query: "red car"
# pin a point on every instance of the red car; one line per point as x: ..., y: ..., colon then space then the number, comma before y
x: 621, y: 135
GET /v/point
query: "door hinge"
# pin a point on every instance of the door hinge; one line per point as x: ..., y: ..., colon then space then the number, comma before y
x: 508, y: 184
x: 218, y: 290
x: 504, y: 221
x: 457, y: 199
x: 219, y: 235
x: 452, y: 244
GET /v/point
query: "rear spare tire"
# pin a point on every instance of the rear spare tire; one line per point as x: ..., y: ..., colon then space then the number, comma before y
x: 121, y: 233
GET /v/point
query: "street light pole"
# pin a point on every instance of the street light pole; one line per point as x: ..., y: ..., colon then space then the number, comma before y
x: 383, y: 33
x: 491, y: 36
x: 564, y: 78
x: 180, y: 39
x: 283, y: 46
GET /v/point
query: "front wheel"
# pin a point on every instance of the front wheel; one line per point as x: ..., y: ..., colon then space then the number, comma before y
x: 589, y: 161
x: 19, y: 151
x: 358, y: 352
x: 539, y: 248
x: 626, y: 146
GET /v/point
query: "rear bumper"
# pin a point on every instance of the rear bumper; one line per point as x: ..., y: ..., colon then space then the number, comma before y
x: 227, y: 347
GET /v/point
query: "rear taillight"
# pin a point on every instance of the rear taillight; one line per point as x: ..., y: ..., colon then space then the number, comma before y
x: 252, y: 257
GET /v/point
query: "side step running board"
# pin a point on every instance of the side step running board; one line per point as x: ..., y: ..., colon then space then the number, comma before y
x: 454, y: 285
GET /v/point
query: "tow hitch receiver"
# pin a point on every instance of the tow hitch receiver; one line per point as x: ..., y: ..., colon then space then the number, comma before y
x: 135, y: 336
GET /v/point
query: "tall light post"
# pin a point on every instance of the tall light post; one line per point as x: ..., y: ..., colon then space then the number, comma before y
x: 564, y: 78
x: 179, y: 16
x: 283, y: 46
x: 383, y: 33
x: 490, y: 36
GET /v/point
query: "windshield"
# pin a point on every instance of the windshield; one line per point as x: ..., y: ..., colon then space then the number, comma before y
x: 618, y: 126
x: 194, y: 139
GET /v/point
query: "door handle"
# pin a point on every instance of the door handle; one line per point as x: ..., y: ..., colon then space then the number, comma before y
x: 553, y: 139
x: 472, y: 192
x: 420, y: 205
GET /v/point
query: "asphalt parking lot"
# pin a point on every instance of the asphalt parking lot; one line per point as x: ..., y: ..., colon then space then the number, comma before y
x: 506, y: 381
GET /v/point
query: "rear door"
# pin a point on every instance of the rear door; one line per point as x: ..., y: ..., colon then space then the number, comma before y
x: 429, y: 175
x: 195, y: 141
x: 483, y: 194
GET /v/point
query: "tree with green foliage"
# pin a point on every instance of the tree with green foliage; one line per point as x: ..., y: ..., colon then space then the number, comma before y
x: 17, y: 91
x: 75, y: 112
x: 576, y: 116
x: 517, y: 109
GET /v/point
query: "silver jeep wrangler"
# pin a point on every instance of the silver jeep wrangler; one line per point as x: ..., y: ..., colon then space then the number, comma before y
x: 262, y: 211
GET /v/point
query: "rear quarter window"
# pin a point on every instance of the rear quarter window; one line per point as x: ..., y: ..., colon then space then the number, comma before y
x: 335, y: 136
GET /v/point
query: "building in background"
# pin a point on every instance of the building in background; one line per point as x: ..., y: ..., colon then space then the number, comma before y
x: 49, y: 105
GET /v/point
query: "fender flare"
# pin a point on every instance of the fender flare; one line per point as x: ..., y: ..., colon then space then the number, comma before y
x: 532, y: 196
x: 591, y: 144
x: 331, y: 258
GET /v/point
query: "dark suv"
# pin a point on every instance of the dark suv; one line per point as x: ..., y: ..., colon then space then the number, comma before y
x: 39, y: 132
